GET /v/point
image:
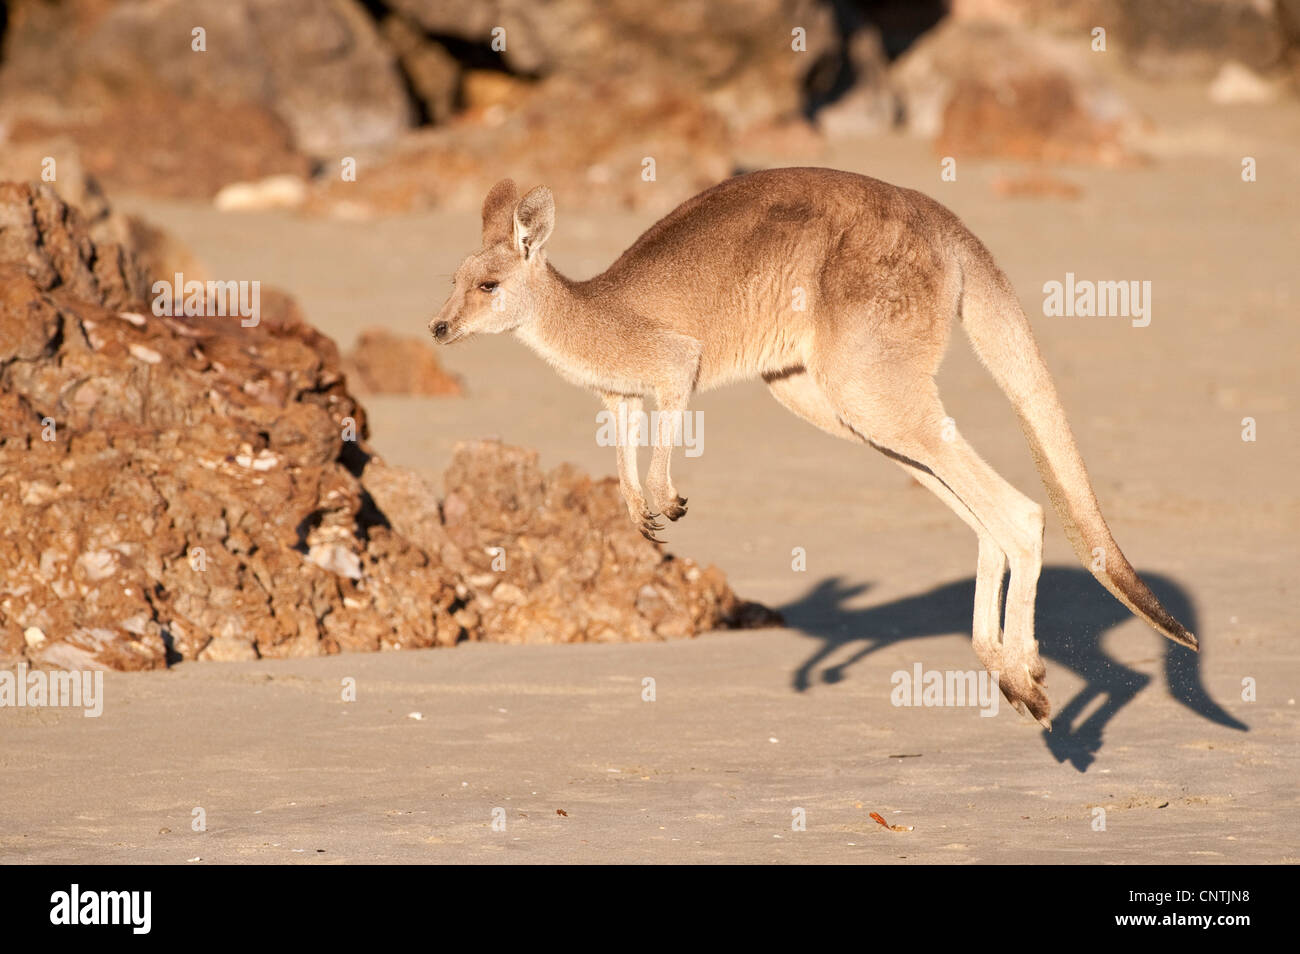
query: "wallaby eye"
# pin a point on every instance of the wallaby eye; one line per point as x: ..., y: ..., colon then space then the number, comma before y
x: 487, y: 286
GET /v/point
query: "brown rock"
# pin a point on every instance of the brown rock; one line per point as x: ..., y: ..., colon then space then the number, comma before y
x: 52, y: 242
x: 434, y: 74
x: 193, y: 488
x: 736, y: 55
x: 553, y: 557
x: 163, y: 479
x: 161, y: 143
x: 564, y: 133
x: 1162, y: 38
x: 385, y: 363
x: 988, y: 90
x: 158, y: 254
x: 318, y: 66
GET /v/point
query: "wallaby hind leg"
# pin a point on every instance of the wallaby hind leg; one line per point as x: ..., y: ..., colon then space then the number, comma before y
x: 800, y: 393
x: 898, y: 411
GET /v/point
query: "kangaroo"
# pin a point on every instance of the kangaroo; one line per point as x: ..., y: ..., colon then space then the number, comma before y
x: 706, y: 297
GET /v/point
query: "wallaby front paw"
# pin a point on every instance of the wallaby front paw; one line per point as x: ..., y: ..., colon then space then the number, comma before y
x: 648, y: 525
x: 666, y: 502
x: 676, y: 510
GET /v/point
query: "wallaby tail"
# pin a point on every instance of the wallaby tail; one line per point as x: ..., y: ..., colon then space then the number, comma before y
x: 1002, y: 338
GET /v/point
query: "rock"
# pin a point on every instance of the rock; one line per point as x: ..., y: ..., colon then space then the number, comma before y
x: 191, y: 488
x: 1183, y: 39
x: 1162, y: 39
x: 736, y: 56
x: 560, y: 132
x: 434, y: 74
x: 161, y: 143
x: 869, y: 107
x: 318, y: 66
x: 158, y: 254
x: 151, y: 533
x: 553, y: 557
x: 52, y: 243
x: 57, y: 162
x: 1236, y: 83
x: 274, y: 192
x: 987, y: 90
x: 385, y: 363
x: 580, y: 94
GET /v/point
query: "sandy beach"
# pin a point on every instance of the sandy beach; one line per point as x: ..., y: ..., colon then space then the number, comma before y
x: 556, y: 744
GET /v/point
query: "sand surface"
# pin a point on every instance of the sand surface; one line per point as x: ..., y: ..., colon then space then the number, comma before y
x: 748, y: 727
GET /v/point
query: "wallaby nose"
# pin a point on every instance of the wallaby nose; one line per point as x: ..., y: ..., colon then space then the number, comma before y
x: 440, y: 330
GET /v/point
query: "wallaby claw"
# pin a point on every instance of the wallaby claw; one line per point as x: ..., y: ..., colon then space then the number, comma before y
x: 675, y: 511
x: 649, y: 526
x: 1028, y: 695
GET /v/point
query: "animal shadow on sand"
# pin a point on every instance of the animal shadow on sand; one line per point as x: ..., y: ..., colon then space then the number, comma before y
x: 1073, y: 614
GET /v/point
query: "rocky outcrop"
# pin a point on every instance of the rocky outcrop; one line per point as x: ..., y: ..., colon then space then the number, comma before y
x: 272, y: 88
x: 318, y: 66
x: 156, y: 142
x: 552, y: 557
x: 738, y: 56
x: 201, y: 488
x: 608, y: 143
x: 1164, y: 39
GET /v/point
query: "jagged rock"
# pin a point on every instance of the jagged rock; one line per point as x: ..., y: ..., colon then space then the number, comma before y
x: 53, y: 244
x: 191, y: 487
x: 158, y: 254
x: 553, y: 557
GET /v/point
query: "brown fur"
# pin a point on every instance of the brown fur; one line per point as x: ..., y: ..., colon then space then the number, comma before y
x: 706, y: 296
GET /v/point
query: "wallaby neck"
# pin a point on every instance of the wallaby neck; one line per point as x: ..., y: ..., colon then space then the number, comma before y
x: 565, y: 313
x: 580, y: 330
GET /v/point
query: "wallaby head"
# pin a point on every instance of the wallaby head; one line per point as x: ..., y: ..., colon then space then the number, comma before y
x: 495, y: 288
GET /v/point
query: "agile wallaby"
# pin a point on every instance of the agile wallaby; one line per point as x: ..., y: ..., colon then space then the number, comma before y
x: 705, y: 297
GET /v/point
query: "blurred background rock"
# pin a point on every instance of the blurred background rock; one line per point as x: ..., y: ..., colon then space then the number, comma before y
x: 436, y: 99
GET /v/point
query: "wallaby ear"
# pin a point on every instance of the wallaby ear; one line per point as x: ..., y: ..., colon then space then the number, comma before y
x: 498, y: 207
x: 534, y: 220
